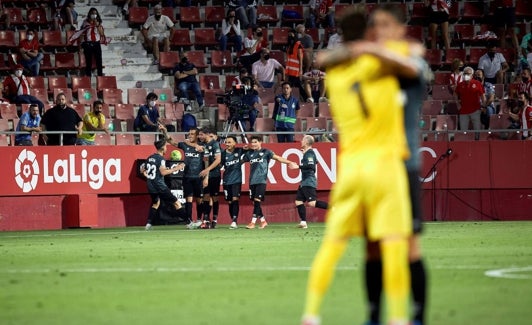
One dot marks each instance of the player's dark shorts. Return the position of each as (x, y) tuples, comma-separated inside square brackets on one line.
[(438, 17), (213, 188), (257, 191), (415, 197), (164, 195), (504, 17), (193, 187), (306, 194), (232, 190)]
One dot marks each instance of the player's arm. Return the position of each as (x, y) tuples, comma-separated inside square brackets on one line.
[(291, 164), (167, 171), (216, 162)]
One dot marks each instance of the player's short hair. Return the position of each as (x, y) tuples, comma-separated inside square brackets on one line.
[(159, 144), (231, 137), (257, 137), (286, 83), (353, 23), (309, 139)]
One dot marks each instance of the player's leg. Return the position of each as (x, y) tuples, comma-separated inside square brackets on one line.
[(214, 190), (300, 206), (373, 281), (234, 195), (152, 214)]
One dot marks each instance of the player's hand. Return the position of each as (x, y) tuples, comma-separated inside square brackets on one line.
[(204, 173), (293, 165)]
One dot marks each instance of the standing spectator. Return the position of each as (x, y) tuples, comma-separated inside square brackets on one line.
[(185, 79), (232, 177), (68, 15), (494, 65), (285, 113), (505, 22), (92, 39), (321, 13), (307, 188), (17, 89), (294, 60), (231, 31), (526, 117), (314, 84), (259, 160), (29, 122), (92, 121), (128, 4), (438, 15), (264, 70), (253, 46), (155, 170), (212, 171), (456, 73), (5, 20), (155, 31), (526, 48), (488, 108), (246, 11), (61, 118), (251, 102), (470, 92), (308, 46), (147, 119), (29, 52), (335, 39)]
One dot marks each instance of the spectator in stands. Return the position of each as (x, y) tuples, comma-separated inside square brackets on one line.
[(505, 22), (5, 20), (263, 71), (438, 15), (494, 65), (308, 46), (185, 79), (246, 11), (91, 41), (335, 39), (456, 73), (488, 108), (128, 4), (92, 121), (321, 13), (231, 31), (29, 52), (252, 48), (17, 89), (241, 75), (526, 49), (147, 119), (294, 61), (155, 31), (251, 102), (285, 113), (68, 16), (61, 118), (314, 84), (29, 122), (470, 92), (526, 116), (525, 85)]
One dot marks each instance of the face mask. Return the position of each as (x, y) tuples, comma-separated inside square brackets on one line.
[(94, 17), (266, 57), (157, 17), (491, 55), (30, 37), (299, 35), (259, 34), (478, 78), (184, 60), (521, 103), (152, 103), (467, 77), (18, 73)]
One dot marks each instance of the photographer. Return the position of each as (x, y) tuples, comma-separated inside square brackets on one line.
[(243, 103)]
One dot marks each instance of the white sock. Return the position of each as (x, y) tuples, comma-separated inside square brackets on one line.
[(254, 219)]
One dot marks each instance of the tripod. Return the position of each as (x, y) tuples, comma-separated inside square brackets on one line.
[(228, 126), (432, 172)]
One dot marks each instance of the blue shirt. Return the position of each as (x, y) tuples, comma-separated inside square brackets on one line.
[(27, 120), (153, 115), (284, 111), (184, 67)]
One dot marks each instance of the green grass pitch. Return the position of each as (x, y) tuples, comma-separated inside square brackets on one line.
[(175, 276)]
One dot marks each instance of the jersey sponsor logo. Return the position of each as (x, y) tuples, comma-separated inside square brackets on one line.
[(231, 162), (192, 154), (71, 169), (256, 160)]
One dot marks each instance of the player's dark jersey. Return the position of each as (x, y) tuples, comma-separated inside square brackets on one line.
[(258, 165), (193, 160), (308, 169), (211, 150), (155, 178), (232, 163)]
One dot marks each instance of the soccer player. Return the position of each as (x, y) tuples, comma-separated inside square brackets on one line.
[(232, 177), (155, 170), (307, 189), (370, 197), (213, 158), (258, 159)]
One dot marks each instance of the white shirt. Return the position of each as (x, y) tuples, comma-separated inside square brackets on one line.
[(157, 28), (226, 28), (265, 71), (334, 41), (489, 66)]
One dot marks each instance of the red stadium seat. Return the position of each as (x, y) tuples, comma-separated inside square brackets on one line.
[(137, 16), (446, 123), (205, 81), (221, 60), (86, 96), (198, 59), (79, 108), (267, 15), (434, 58), (190, 16), (8, 111), (36, 82), (136, 96), (15, 15), (204, 37), (127, 139), (112, 96), (52, 40), (65, 61), (306, 110), (166, 95), (431, 107), (103, 82), (169, 12), (80, 82), (280, 36), (264, 124), (7, 40), (124, 111), (56, 82), (66, 91), (102, 139), (168, 60), (180, 40), (214, 16)]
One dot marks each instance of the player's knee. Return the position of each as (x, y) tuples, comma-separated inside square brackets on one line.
[(156, 205), (414, 248), (373, 251), (312, 203)]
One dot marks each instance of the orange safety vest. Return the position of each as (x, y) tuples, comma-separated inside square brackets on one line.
[(292, 62)]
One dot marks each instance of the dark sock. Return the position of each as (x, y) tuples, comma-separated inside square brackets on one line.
[(188, 210), (374, 289), (215, 209), (206, 210), (418, 278), (199, 210), (322, 205), (231, 209), (256, 209), (236, 210), (152, 215), (302, 211)]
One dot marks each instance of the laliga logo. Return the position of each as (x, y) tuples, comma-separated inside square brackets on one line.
[(26, 171), (94, 171)]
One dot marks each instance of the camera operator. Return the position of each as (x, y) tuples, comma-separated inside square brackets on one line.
[(250, 103)]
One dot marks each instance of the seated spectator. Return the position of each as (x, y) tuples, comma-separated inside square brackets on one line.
[(314, 84), (335, 39), (231, 31), (5, 20), (147, 119), (252, 47), (515, 113), (241, 75), (251, 102), (456, 73), (438, 15), (246, 11), (68, 16), (494, 65), (29, 122), (488, 107), (61, 118), (185, 79), (308, 46), (470, 92), (29, 52), (17, 89), (263, 71), (155, 31), (525, 84), (321, 13), (526, 109), (92, 121)]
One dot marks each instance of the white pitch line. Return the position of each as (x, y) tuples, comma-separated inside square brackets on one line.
[(510, 273)]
